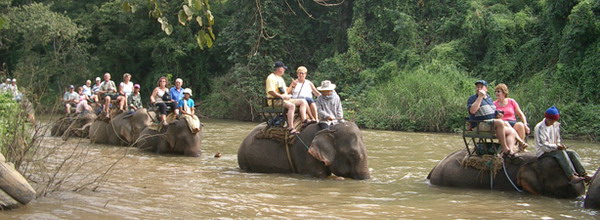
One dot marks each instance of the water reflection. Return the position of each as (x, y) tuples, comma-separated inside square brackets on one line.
[(157, 186)]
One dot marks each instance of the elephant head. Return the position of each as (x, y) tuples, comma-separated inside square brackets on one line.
[(544, 176), (175, 138), (342, 151), (592, 198)]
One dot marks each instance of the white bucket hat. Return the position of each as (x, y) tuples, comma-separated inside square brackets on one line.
[(326, 86), (188, 91)]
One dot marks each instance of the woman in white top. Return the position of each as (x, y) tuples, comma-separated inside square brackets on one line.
[(157, 99), (302, 88), (126, 87)]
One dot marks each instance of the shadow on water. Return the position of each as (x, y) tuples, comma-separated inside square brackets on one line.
[(157, 186)]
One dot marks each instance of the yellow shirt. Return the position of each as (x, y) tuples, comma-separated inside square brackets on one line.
[(274, 82)]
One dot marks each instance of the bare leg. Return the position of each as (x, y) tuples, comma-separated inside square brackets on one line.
[(68, 108), (313, 110), (106, 104), (290, 113), (499, 125), (303, 106), (121, 103), (520, 128)]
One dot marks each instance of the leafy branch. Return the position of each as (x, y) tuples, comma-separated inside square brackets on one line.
[(192, 11)]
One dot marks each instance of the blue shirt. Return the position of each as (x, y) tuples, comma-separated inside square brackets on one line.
[(190, 103), (487, 109), (176, 95)]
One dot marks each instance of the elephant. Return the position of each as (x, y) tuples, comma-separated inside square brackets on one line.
[(592, 198), (75, 124), (122, 129), (339, 150), (175, 138), (537, 176)]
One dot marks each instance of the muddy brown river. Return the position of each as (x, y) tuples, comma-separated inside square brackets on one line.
[(149, 186)]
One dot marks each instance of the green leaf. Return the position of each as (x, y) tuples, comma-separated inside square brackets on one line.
[(182, 17), (169, 29), (199, 20), (206, 4), (210, 18), (211, 33), (188, 11), (197, 5), (208, 40), (199, 40), (126, 7), (2, 21)]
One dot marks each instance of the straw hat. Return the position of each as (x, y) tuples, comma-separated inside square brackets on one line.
[(326, 86)]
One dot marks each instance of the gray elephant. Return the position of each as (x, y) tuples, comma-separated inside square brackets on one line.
[(339, 150), (75, 124), (592, 198), (537, 176), (175, 138), (122, 129)]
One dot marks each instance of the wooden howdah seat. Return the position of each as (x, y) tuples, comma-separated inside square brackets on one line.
[(275, 114), (473, 137)]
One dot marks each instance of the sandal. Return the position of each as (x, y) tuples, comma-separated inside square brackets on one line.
[(293, 131), (508, 155)]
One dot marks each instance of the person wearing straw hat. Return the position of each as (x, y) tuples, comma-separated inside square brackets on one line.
[(548, 144), (329, 105), (187, 109)]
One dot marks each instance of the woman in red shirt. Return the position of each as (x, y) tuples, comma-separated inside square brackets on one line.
[(510, 109)]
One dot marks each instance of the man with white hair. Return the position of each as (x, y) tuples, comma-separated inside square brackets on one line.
[(4, 85), (176, 93), (108, 90)]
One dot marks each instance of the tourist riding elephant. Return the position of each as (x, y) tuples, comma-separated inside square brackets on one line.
[(543, 176), (592, 198), (339, 150), (175, 138), (122, 129)]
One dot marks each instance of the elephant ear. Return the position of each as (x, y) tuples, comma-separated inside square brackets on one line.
[(527, 178), (321, 148)]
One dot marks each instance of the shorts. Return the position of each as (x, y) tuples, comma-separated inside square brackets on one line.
[(112, 97), (309, 100), (512, 123), (486, 125)]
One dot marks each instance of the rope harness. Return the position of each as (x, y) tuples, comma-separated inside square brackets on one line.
[(282, 136)]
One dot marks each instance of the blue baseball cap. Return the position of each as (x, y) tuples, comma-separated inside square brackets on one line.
[(481, 81), (280, 64)]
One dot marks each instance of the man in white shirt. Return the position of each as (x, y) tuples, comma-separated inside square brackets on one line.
[(548, 144)]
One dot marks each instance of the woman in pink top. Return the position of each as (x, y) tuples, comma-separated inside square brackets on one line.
[(509, 108)]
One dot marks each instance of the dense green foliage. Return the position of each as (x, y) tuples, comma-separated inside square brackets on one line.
[(402, 65)]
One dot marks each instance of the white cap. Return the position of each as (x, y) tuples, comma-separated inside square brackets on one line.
[(98, 79), (188, 91)]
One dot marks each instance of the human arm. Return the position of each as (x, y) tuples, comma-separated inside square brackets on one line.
[(154, 92), (543, 140), (314, 90), (121, 86), (477, 103), (522, 116), (339, 110), (290, 89)]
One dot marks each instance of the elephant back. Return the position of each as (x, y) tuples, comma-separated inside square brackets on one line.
[(544, 176), (592, 198)]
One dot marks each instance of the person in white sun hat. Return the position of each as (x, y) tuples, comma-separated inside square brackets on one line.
[(187, 109), (329, 105)]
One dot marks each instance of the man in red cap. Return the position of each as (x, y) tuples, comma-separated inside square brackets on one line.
[(548, 144)]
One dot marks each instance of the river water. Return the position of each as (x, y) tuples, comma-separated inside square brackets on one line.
[(149, 186)]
